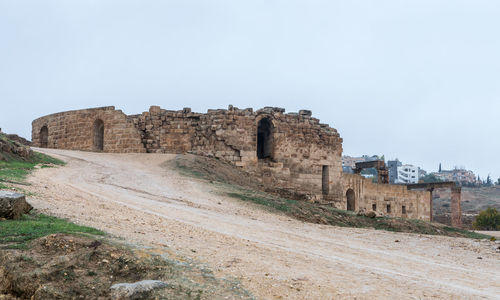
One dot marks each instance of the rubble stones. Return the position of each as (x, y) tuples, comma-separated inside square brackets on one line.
[(137, 290)]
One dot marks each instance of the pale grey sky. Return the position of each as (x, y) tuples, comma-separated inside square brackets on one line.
[(418, 80)]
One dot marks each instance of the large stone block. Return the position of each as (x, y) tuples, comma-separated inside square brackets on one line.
[(13, 205)]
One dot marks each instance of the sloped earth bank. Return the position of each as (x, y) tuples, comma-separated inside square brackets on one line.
[(274, 256)]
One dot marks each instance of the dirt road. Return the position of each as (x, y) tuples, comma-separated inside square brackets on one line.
[(136, 197)]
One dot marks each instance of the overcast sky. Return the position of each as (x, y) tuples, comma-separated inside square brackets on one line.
[(417, 80)]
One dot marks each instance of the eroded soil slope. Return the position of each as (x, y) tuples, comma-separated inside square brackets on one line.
[(136, 197), (61, 266)]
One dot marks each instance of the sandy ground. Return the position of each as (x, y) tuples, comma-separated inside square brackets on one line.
[(133, 196)]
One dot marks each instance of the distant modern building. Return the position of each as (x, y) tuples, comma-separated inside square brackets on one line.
[(393, 165), (407, 174), (461, 176), (348, 170)]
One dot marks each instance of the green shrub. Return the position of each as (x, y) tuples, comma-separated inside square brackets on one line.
[(488, 219)]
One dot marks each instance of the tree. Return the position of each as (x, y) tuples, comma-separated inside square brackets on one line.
[(429, 178), (498, 181), (488, 219), (488, 181), (440, 168)]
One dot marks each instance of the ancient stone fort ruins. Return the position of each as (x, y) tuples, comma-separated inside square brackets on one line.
[(292, 154)]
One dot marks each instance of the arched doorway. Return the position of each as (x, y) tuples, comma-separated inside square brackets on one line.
[(351, 200), (98, 135), (44, 137), (265, 139)]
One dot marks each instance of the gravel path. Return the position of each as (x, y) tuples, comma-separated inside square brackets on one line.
[(135, 197)]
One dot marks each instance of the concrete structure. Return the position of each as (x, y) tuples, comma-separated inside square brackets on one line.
[(293, 154), (393, 165), (407, 174)]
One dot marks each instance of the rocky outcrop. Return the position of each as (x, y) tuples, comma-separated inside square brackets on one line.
[(11, 148), (19, 139), (13, 205)]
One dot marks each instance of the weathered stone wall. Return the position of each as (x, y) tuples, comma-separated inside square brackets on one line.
[(292, 154), (74, 130), (416, 204), (301, 146)]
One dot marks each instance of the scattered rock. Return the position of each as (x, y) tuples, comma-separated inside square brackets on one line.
[(48, 292), (370, 214), (13, 205), (137, 290), (396, 241)]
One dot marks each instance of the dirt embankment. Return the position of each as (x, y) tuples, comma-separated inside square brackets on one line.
[(13, 149), (234, 182)]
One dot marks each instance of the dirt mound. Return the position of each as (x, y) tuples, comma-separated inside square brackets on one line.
[(214, 170), (63, 266)]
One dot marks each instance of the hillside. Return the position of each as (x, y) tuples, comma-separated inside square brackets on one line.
[(474, 200)]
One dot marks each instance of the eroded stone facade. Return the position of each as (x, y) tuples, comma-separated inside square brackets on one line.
[(74, 130), (293, 154)]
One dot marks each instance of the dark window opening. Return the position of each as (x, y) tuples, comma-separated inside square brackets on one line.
[(388, 208), (325, 180), (265, 139), (374, 207), (98, 135), (403, 209), (44, 137), (351, 200)]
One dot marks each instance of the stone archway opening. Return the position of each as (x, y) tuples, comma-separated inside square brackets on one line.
[(351, 199), (265, 139), (44, 137), (98, 133)]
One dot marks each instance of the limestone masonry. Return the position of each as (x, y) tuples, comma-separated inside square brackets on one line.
[(292, 154)]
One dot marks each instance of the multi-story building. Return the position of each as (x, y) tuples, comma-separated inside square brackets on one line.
[(407, 174), (393, 165)]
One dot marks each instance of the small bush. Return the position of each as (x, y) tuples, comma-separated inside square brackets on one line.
[(488, 219)]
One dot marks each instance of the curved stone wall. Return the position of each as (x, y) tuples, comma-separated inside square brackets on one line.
[(74, 130), (292, 154)]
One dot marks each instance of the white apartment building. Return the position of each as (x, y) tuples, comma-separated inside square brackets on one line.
[(407, 174)]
